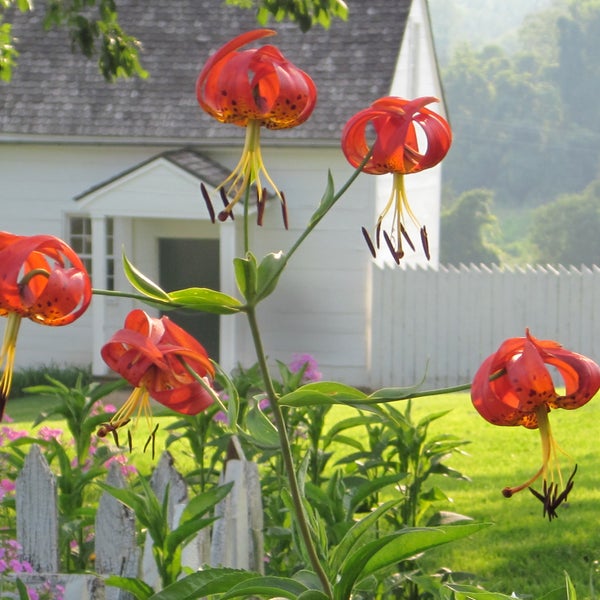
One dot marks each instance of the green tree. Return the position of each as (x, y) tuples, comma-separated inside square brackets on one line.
[(94, 29), (566, 230), (466, 228)]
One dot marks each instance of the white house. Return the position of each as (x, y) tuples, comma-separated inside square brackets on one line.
[(111, 166)]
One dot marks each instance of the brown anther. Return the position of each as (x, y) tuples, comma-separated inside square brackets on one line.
[(207, 200), (378, 234), (550, 497), (369, 242), (406, 237), (228, 212), (261, 201), (284, 209), (397, 254), (105, 428), (151, 438), (425, 242)]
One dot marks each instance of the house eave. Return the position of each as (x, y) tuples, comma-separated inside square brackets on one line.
[(24, 138)]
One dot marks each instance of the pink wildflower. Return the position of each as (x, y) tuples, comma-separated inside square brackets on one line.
[(48, 434), (311, 371)]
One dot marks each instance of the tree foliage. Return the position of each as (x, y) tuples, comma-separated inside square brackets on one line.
[(525, 121), (465, 230), (566, 231), (95, 31)]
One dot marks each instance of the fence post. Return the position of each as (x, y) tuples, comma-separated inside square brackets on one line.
[(237, 538), (116, 544), (37, 513), (37, 531)]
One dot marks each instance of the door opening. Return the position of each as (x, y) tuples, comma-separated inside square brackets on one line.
[(186, 263)]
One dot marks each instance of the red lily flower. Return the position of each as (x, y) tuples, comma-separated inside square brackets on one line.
[(152, 354), (397, 149), (253, 88), (514, 387), (42, 279)]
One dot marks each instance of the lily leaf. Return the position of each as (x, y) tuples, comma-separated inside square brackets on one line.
[(393, 394), (355, 533), (323, 393), (136, 587), (246, 275), (280, 587), (391, 549), (260, 430), (326, 201), (143, 284), (269, 270), (206, 300), (205, 583)]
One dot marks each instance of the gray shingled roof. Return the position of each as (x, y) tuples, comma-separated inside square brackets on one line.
[(56, 93)]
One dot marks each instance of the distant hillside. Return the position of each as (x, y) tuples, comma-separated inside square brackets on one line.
[(478, 22)]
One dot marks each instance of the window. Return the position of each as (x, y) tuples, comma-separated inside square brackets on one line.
[(80, 239)]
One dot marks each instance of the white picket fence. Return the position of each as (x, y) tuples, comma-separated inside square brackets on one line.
[(444, 322), (234, 541)]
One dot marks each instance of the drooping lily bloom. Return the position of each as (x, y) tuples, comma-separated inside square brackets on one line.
[(408, 138), (152, 354), (514, 387), (253, 88), (42, 279)]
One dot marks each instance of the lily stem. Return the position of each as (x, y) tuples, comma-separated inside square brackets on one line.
[(286, 453)]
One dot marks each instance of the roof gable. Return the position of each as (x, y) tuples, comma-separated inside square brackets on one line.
[(166, 186), (56, 93)]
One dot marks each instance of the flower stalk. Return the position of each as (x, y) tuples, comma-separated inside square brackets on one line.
[(286, 453)]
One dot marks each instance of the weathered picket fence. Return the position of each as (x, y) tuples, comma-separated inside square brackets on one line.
[(235, 539)]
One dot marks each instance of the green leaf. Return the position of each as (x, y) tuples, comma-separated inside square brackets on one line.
[(356, 532), (393, 394), (391, 549), (246, 275), (260, 430), (269, 586), (323, 393), (571, 593), (205, 583), (471, 592), (269, 270), (206, 300), (182, 534), (22, 589), (369, 488), (202, 503), (138, 588), (142, 284), (313, 595), (326, 201)]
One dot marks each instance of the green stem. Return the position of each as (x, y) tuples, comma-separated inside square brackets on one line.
[(286, 453)]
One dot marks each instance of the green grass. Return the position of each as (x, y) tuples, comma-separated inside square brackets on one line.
[(520, 552)]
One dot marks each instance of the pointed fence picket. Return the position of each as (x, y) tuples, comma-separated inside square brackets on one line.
[(234, 541)]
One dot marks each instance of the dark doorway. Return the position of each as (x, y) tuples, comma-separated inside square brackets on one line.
[(192, 263)]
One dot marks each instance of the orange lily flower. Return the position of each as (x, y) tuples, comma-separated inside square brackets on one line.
[(42, 279), (152, 354), (253, 88), (514, 387), (397, 149)]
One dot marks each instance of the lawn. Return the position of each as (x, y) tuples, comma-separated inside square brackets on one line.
[(521, 552)]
